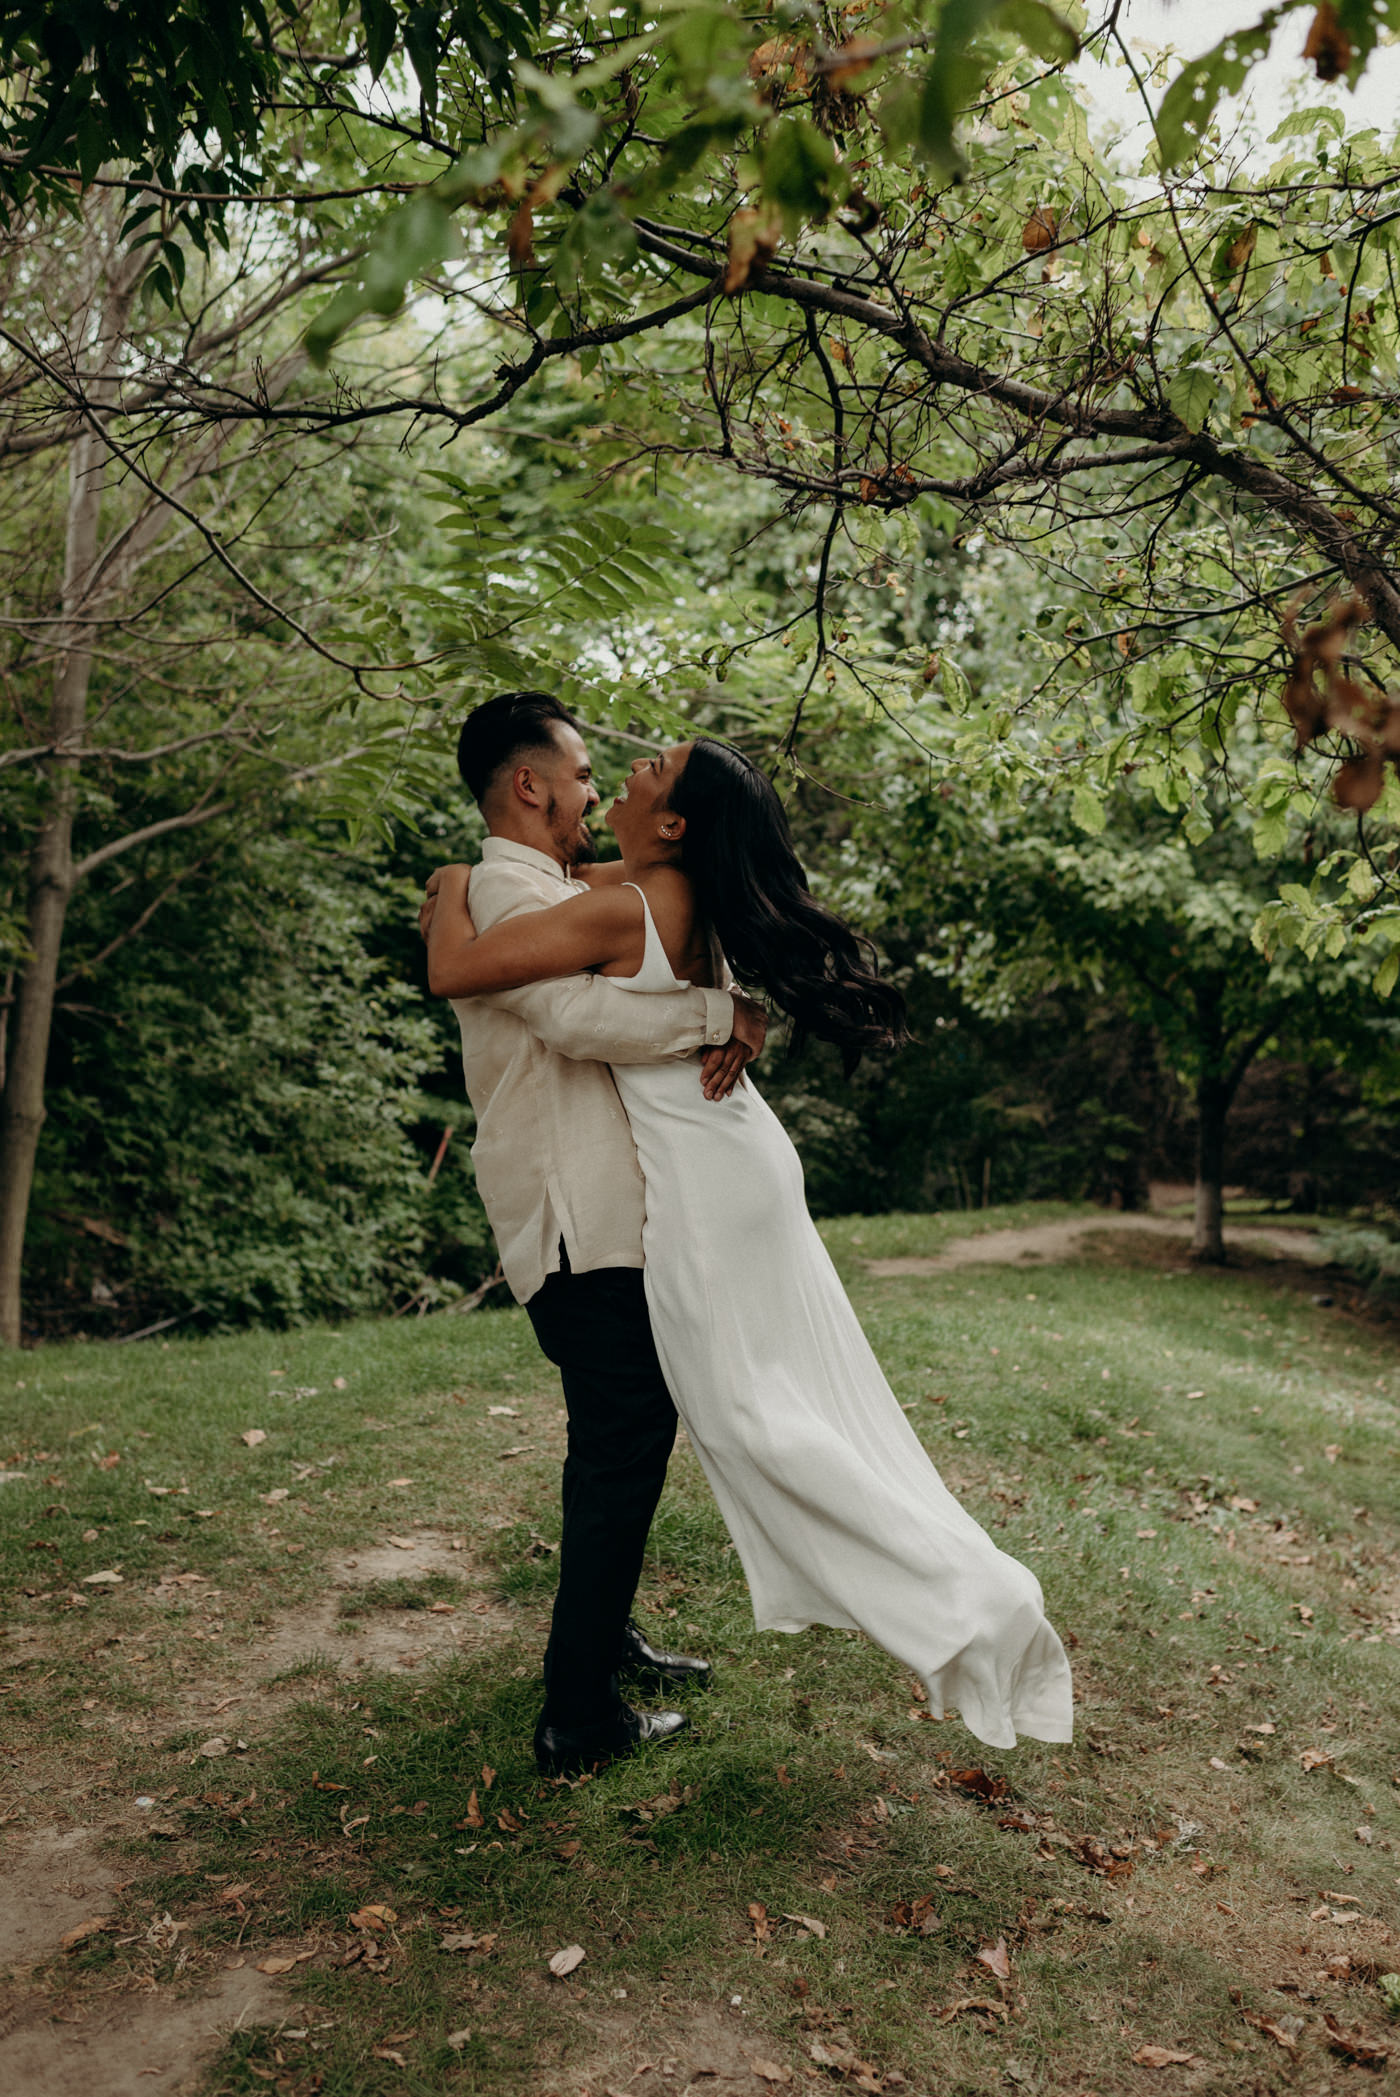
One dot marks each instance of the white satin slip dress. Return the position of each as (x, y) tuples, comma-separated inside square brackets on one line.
[(834, 1506)]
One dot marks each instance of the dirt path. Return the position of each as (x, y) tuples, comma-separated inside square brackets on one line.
[(54, 1880), (1063, 1241)]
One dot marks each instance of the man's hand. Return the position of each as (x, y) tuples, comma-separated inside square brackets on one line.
[(722, 1068)]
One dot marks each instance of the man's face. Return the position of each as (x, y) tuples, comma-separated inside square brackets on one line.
[(567, 777)]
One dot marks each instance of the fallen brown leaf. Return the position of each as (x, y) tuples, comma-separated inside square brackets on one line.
[(253, 1435), (996, 1959), (374, 1916), (565, 1961), (917, 1915), (1354, 2045), (978, 1783), (808, 1922), (387, 2053), (1281, 2034), (83, 1931), (972, 2006), (475, 1818), (1162, 2057), (771, 2071)]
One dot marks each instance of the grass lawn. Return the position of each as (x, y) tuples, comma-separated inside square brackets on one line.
[(297, 1711)]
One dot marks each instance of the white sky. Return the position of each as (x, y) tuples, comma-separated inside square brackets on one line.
[(1278, 84)]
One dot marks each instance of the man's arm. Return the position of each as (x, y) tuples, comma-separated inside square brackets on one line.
[(590, 1019)]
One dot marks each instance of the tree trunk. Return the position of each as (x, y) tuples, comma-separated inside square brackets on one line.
[(50, 884), (1212, 1105)]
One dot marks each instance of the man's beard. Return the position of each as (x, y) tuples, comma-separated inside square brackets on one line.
[(577, 845)]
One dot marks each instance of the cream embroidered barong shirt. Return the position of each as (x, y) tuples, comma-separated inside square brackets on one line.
[(554, 1154)]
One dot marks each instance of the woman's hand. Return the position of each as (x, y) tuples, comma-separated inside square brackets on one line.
[(443, 884)]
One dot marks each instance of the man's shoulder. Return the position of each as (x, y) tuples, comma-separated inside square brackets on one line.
[(499, 886)]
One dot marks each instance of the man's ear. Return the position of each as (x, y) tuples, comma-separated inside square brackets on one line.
[(527, 786)]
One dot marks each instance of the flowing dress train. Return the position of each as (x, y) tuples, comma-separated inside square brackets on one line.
[(834, 1506)]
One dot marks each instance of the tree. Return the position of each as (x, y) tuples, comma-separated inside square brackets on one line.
[(149, 677), (1150, 913), (885, 279)]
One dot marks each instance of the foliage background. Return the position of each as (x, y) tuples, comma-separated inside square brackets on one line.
[(665, 362)]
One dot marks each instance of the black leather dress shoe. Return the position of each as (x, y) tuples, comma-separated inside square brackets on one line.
[(639, 1660), (565, 1751)]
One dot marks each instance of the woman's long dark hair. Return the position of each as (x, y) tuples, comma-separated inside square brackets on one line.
[(749, 883)]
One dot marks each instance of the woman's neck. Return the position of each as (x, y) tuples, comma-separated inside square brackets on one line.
[(638, 866)]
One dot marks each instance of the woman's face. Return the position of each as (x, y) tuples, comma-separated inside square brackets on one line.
[(638, 814)]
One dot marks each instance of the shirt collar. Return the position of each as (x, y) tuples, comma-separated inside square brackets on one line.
[(507, 848)]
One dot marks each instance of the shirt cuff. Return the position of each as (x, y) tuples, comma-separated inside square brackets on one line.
[(719, 1017)]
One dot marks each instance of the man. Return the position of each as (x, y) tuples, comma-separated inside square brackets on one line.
[(557, 1171)]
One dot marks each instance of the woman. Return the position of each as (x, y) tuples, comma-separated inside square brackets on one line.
[(836, 1511)]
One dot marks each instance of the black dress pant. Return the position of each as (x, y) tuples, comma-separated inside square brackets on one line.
[(622, 1426)]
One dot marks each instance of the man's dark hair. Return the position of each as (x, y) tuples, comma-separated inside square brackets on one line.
[(499, 732)]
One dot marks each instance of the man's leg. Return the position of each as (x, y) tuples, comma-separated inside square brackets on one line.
[(622, 1425)]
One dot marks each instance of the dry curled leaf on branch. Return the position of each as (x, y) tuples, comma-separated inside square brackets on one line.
[(1319, 695), (753, 242), (849, 62), (779, 64), (1328, 45), (1041, 230)]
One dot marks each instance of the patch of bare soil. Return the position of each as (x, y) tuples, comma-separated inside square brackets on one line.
[(150, 2045), (1065, 1241), (146, 2041), (322, 1637), (51, 1880), (696, 2047)]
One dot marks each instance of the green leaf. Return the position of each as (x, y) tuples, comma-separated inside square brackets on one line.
[(1040, 29), (381, 26), (1087, 809), (409, 241), (797, 171), (1387, 973), (951, 81), (1190, 101), (1191, 395)]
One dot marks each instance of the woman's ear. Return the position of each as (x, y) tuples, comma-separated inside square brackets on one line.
[(672, 827)]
